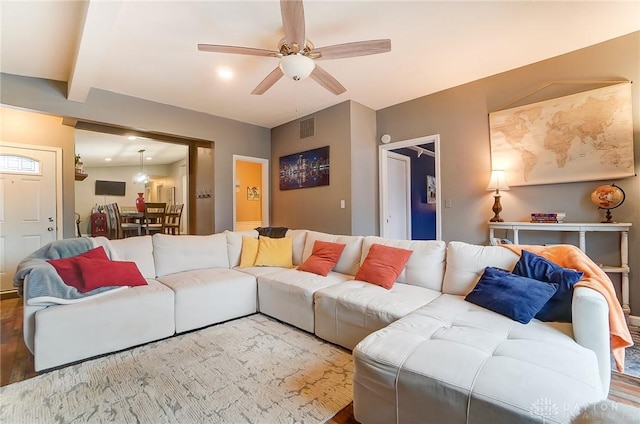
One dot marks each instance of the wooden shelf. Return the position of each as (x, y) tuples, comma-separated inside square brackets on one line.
[(80, 177)]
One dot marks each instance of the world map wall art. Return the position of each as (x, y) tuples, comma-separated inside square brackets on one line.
[(305, 169), (581, 137)]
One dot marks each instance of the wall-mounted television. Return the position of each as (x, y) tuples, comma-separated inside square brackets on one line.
[(110, 188)]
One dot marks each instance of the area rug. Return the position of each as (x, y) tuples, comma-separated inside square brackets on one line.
[(251, 370), (632, 355)]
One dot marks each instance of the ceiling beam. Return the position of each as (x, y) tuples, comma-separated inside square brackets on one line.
[(99, 19)]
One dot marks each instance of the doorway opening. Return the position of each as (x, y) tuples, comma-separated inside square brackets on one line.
[(251, 199), (424, 206)]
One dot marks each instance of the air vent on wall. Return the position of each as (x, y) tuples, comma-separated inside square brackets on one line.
[(307, 128)]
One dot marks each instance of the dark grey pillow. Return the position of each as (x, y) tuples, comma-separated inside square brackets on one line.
[(272, 232)]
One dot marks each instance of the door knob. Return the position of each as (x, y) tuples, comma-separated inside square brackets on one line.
[(50, 229)]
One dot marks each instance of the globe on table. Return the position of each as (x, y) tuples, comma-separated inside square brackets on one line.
[(608, 197)]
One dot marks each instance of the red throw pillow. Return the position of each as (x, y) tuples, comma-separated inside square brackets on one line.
[(383, 265), (99, 273), (69, 272), (324, 257)]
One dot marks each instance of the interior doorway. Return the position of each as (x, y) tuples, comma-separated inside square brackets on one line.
[(398, 197), (251, 193), (425, 191)]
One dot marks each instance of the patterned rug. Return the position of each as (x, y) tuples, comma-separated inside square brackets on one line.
[(632, 355), (250, 370)]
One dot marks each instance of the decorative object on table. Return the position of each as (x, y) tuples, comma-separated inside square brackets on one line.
[(253, 193), (497, 182), (548, 217), (581, 137), (305, 169), (431, 189), (141, 177), (79, 165), (140, 202), (608, 197)]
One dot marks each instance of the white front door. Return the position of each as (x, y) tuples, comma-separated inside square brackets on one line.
[(28, 217), (398, 219)]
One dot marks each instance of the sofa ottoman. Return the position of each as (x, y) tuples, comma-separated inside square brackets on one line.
[(452, 361)]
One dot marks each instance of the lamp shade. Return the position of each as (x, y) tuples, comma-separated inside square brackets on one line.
[(497, 181), (297, 66)]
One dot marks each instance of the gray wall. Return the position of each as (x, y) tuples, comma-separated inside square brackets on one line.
[(349, 128), (460, 116), (316, 208), (229, 136), (364, 171)]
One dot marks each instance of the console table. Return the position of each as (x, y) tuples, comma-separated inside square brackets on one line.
[(582, 229)]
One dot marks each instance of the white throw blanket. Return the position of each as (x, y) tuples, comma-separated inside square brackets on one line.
[(43, 284)]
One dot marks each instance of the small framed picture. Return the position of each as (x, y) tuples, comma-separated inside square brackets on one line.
[(431, 189), (253, 193)]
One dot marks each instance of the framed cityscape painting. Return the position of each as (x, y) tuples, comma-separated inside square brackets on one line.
[(305, 169)]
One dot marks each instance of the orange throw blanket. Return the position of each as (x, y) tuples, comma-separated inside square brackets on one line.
[(568, 256)]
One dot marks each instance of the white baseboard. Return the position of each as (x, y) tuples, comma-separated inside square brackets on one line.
[(634, 320)]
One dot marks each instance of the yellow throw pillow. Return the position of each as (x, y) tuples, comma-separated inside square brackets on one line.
[(275, 252), (249, 252)]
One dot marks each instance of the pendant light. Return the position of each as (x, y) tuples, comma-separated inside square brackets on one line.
[(141, 177)]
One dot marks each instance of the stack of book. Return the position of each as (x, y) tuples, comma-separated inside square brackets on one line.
[(548, 217)]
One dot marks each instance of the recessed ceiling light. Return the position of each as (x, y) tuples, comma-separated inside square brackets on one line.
[(225, 73), (132, 137), (107, 159), (149, 158)]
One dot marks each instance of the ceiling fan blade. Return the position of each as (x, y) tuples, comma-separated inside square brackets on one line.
[(268, 82), (358, 48), (236, 50), (325, 79), (293, 23)]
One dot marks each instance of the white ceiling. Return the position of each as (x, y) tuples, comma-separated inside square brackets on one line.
[(147, 49), (94, 148)]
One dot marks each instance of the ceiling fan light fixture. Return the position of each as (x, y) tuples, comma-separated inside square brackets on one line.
[(296, 66)]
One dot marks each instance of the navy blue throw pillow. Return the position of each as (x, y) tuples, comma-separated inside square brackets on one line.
[(559, 306), (519, 298)]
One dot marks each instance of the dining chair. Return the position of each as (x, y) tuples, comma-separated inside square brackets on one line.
[(154, 217), (112, 221), (126, 226), (173, 219)]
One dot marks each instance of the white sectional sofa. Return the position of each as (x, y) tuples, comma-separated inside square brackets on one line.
[(422, 353)]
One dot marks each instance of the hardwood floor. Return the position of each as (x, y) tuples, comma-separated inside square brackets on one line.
[(16, 363)]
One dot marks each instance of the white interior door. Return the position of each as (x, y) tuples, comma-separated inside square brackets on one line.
[(398, 213), (28, 218), (385, 150)]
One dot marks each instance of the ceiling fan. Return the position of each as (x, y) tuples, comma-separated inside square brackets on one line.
[(298, 55)]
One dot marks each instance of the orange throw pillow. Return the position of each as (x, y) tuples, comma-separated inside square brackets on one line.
[(383, 265), (324, 257)]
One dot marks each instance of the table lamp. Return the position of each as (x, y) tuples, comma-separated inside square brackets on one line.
[(497, 182)]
